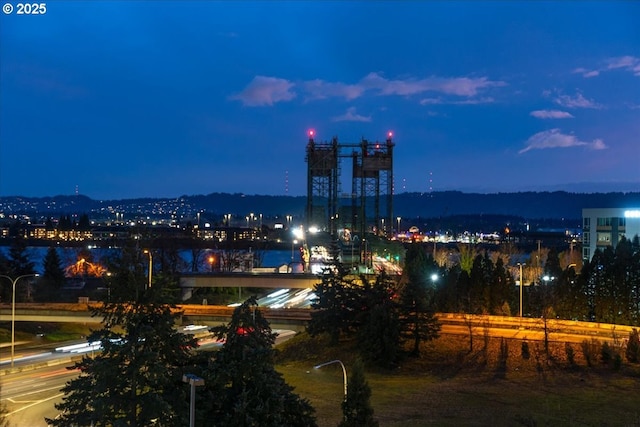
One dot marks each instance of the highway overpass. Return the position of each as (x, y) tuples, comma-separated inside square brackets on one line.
[(188, 282)]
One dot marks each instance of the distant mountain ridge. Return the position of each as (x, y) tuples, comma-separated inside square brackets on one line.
[(557, 204)]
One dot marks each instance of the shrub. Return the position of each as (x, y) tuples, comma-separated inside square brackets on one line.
[(606, 353), (633, 347), (571, 357), (617, 361), (504, 356), (590, 349), (524, 350)]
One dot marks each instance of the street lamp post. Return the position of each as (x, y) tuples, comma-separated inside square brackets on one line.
[(148, 252), (13, 310), (398, 230), (521, 284), (293, 242), (194, 381), (344, 373)]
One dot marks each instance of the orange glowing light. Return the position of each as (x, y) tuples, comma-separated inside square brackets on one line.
[(84, 268)]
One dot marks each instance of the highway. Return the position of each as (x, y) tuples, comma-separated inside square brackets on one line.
[(30, 396), (30, 390)]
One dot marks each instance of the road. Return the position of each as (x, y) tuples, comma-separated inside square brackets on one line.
[(30, 396)]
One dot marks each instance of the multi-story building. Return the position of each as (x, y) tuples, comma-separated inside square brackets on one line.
[(605, 227)]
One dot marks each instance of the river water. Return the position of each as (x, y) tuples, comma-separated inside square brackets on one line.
[(70, 256)]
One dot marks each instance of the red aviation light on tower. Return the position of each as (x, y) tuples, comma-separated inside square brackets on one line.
[(389, 139), (311, 133)]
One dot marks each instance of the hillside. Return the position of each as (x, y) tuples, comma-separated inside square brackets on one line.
[(558, 204)]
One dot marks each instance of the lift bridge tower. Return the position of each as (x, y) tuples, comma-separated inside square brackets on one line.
[(368, 208)]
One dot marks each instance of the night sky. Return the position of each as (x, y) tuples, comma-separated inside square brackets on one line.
[(161, 99)]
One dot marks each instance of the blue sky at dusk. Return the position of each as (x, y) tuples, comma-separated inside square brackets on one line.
[(160, 98)]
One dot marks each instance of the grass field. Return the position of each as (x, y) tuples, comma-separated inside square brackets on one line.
[(45, 332), (450, 386)]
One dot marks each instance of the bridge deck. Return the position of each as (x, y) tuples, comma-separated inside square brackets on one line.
[(250, 280)]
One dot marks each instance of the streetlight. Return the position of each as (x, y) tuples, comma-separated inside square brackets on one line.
[(298, 234), (211, 260), (521, 284), (13, 309), (398, 218), (148, 252), (194, 381), (293, 242), (344, 373)]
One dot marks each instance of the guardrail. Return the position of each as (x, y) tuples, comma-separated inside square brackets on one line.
[(303, 315)]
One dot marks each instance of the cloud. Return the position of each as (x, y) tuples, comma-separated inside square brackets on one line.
[(472, 101), (265, 91), (626, 63), (586, 73), (551, 114), (555, 139), (319, 89), (351, 116), (269, 90), (431, 101), (459, 86), (577, 101)]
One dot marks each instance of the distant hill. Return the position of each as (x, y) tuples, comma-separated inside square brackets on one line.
[(558, 204)]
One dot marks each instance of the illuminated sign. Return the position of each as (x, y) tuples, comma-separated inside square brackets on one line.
[(632, 214)]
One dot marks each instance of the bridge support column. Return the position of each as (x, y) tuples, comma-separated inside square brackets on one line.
[(187, 293)]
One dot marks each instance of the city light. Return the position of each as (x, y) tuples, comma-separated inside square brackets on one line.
[(632, 213)]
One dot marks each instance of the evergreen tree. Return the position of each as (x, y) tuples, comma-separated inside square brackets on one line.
[(136, 379), (5, 291), (334, 310), (479, 279), (503, 290), (242, 387), (417, 314), (19, 264), (84, 223), (53, 279), (633, 347), (379, 322), (356, 408)]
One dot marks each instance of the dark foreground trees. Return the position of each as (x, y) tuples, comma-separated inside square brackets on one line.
[(418, 320), (136, 379), (382, 315), (242, 387), (356, 408)]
